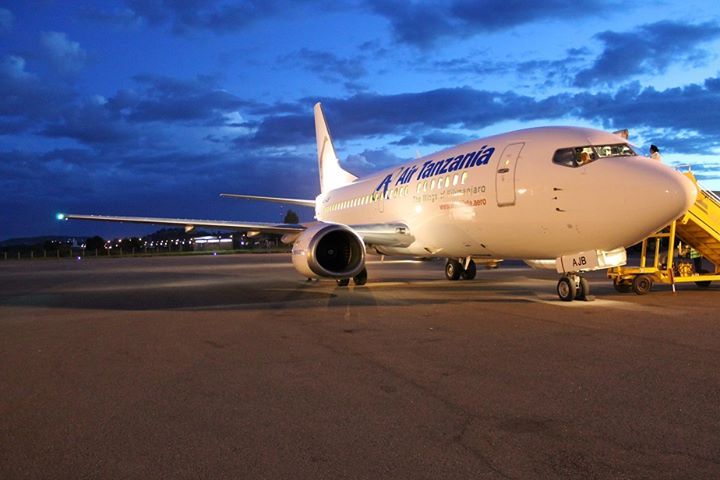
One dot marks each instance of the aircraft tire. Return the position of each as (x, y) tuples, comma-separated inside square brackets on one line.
[(361, 278), (470, 272), (583, 289), (642, 284), (453, 269), (343, 282), (566, 289)]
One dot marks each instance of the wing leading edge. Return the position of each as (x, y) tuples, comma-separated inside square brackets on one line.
[(189, 224)]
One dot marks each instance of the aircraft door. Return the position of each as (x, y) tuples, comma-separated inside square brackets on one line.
[(382, 193), (505, 175), (379, 200)]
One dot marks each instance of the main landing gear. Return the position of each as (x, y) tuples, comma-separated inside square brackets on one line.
[(573, 287), (359, 279), (455, 270)]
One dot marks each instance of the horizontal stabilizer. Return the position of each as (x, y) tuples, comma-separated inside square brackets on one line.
[(189, 224), (288, 201)]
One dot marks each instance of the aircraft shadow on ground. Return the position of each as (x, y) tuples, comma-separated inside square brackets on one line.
[(297, 295), (216, 292)]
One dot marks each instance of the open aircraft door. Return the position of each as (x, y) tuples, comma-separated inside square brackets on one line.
[(505, 176)]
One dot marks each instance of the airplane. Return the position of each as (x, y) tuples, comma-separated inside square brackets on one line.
[(564, 198)]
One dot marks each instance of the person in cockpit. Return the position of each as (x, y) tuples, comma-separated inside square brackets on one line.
[(584, 158)]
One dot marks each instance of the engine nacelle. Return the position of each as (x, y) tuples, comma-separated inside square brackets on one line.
[(328, 250)]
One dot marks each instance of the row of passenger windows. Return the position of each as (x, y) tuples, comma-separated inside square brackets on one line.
[(397, 192), (442, 182), (367, 199)]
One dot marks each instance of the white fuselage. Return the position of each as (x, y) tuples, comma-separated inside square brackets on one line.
[(505, 197)]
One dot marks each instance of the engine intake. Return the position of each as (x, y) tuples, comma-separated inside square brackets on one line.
[(329, 250)]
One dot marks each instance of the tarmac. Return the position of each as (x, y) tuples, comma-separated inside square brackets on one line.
[(234, 366)]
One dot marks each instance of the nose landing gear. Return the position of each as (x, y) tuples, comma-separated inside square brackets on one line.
[(574, 287), (454, 270)]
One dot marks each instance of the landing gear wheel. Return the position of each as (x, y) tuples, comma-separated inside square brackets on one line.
[(622, 286), (470, 272), (360, 278), (583, 290), (641, 284), (343, 282), (566, 289), (703, 283), (453, 269)]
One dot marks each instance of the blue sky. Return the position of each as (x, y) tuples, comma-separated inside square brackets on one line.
[(153, 107)]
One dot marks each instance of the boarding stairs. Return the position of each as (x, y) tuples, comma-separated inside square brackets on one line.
[(699, 228)]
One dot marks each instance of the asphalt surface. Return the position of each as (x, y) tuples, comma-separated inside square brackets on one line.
[(235, 367)]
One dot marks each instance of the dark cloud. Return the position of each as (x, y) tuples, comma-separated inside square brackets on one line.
[(185, 16), (538, 72), (90, 123), (29, 103), (327, 65), (33, 105), (371, 160), (373, 115), (648, 49), (423, 24), (424, 118), (24, 95), (129, 149), (439, 137), (170, 100), (688, 109), (281, 130), (407, 140)]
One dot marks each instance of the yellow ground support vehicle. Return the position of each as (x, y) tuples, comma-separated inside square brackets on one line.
[(699, 228)]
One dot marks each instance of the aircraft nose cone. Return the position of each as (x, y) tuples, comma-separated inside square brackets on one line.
[(647, 197), (679, 191), (662, 195)]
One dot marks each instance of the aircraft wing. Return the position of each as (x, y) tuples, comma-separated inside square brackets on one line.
[(289, 201), (380, 234), (189, 224)]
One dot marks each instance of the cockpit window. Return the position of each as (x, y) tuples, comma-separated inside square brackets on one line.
[(579, 156)]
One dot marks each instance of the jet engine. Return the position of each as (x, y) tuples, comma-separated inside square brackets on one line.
[(328, 250)]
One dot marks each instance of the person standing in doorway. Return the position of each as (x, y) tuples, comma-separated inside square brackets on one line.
[(655, 153)]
